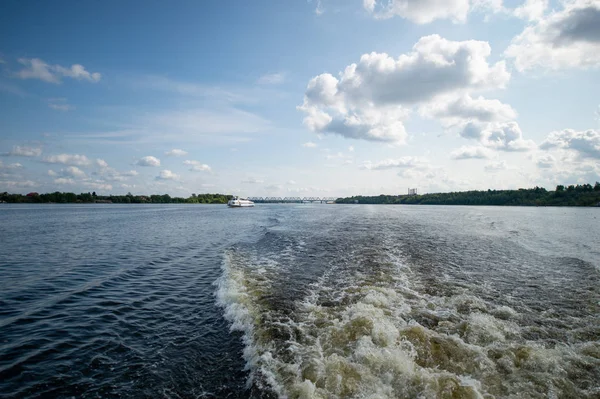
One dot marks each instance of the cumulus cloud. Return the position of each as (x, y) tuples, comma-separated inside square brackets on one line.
[(531, 10), (176, 152), (101, 163), (503, 136), (12, 184), (38, 69), (491, 122), (64, 180), (586, 143), (111, 174), (197, 166), (130, 173), (569, 38), (24, 151), (426, 11), (456, 110), (309, 144), (73, 171), (371, 98), (472, 152), (148, 161), (404, 162), (167, 175), (545, 161), (68, 159), (10, 166), (558, 165)]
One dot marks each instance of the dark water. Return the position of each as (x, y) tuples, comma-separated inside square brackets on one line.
[(299, 301)]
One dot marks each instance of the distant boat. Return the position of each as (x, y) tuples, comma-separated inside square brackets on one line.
[(237, 202)]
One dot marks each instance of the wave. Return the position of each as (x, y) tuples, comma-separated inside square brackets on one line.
[(366, 329)]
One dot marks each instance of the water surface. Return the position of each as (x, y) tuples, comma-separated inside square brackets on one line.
[(313, 301)]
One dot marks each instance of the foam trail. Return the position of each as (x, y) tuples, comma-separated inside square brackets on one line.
[(366, 329)]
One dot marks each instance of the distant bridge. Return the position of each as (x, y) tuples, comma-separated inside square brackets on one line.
[(291, 200)]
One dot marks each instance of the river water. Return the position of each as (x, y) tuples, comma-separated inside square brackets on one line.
[(299, 301)]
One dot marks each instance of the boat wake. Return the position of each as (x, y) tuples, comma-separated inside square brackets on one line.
[(367, 327)]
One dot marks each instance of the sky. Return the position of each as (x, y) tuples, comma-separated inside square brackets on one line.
[(298, 98)]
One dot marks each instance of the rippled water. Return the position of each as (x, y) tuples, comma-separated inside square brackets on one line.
[(299, 301)]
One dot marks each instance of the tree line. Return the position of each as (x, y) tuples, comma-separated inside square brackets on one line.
[(88, 198), (573, 195)]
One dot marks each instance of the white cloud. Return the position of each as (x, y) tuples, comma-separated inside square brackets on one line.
[(586, 143), (569, 38), (110, 174), (545, 161), (13, 166), (64, 180), (197, 166), (532, 9), (68, 159), (404, 162), (38, 69), (472, 152), (167, 175), (101, 163), (503, 136), (291, 182), (560, 165), (371, 99), (494, 166), (309, 144), (272, 79), (176, 152), (24, 151), (148, 161), (52, 173), (489, 121), (72, 171), (457, 110), (351, 148), (11, 184), (426, 11)]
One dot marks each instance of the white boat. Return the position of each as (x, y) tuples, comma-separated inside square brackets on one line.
[(237, 202)]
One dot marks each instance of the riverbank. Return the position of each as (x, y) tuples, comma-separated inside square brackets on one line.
[(580, 195), (93, 198)]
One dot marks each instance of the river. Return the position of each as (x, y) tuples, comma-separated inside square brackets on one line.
[(299, 301)]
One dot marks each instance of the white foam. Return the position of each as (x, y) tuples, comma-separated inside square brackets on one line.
[(358, 335)]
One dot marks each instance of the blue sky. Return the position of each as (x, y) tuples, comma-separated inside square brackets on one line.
[(292, 98)]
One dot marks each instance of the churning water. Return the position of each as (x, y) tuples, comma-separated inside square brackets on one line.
[(299, 301)]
